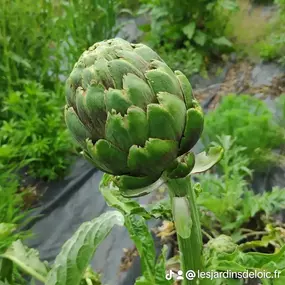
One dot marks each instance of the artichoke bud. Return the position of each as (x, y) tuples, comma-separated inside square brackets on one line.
[(132, 115), (182, 166), (220, 245), (186, 89)]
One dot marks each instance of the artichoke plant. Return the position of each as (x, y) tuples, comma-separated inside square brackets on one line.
[(137, 121), (132, 115)]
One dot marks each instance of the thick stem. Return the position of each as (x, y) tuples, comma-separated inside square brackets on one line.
[(190, 247)]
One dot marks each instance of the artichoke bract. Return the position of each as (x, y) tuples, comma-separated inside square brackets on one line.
[(131, 114)]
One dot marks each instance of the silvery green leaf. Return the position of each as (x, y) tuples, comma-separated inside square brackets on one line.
[(76, 254), (207, 159)]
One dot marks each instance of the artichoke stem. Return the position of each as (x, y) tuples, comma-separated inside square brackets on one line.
[(190, 247)]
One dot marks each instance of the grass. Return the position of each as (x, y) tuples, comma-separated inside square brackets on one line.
[(39, 44), (52, 36)]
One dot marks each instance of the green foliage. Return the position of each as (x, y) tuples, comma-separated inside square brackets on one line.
[(228, 196), (130, 5), (221, 253), (153, 272), (77, 252), (249, 121), (238, 261), (42, 41), (201, 23), (11, 216), (35, 131), (27, 259), (186, 32), (135, 221), (11, 210), (127, 206), (273, 46), (187, 59), (72, 263), (39, 43), (223, 195)]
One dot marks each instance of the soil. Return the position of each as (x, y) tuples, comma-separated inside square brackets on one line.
[(238, 80)]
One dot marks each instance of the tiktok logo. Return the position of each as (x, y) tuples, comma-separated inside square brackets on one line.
[(171, 274)]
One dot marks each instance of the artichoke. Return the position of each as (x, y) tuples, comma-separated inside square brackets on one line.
[(220, 245), (132, 115)]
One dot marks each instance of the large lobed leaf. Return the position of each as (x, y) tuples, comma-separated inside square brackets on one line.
[(77, 252)]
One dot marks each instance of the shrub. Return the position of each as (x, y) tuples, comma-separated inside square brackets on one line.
[(248, 120), (34, 131), (188, 60), (201, 23)]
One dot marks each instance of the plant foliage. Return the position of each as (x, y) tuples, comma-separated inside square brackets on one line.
[(230, 199), (273, 46), (202, 23), (250, 122), (34, 131)]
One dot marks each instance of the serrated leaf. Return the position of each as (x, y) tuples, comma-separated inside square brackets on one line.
[(240, 261), (143, 240), (189, 30), (76, 254), (161, 210), (160, 269), (27, 259), (153, 273), (206, 160)]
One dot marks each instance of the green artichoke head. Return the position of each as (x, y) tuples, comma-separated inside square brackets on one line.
[(131, 114)]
